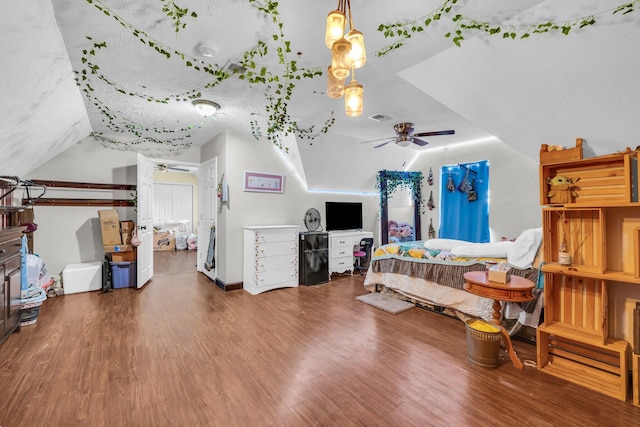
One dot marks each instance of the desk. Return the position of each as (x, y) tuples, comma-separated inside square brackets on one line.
[(518, 289)]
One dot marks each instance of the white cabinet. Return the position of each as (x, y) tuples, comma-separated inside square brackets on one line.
[(270, 258), (341, 246)]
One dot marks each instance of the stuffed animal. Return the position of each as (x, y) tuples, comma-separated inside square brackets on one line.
[(393, 231), (561, 190), (405, 232)]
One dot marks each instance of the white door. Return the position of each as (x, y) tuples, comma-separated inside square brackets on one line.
[(207, 218), (145, 220)]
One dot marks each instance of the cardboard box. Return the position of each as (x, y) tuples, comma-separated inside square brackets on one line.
[(126, 230), (164, 241), (124, 256), (110, 227), (500, 273)]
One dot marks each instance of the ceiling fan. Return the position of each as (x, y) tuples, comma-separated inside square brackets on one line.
[(164, 167), (405, 136)]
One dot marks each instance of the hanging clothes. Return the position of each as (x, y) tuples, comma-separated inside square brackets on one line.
[(211, 261)]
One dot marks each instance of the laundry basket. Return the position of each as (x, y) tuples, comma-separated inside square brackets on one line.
[(483, 343)]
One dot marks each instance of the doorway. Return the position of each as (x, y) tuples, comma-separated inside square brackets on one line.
[(174, 212)]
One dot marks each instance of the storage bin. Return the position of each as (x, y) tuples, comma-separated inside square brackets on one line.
[(82, 277), (483, 344), (124, 274)]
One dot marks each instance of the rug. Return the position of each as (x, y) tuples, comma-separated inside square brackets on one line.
[(385, 302)]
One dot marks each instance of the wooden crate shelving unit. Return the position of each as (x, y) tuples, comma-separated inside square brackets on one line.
[(601, 227), (636, 378)]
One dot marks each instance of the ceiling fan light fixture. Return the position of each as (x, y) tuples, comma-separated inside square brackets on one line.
[(358, 51), (403, 141), (335, 27), (335, 87), (205, 107), (353, 99)]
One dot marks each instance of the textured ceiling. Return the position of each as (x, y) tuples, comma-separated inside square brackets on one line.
[(546, 89)]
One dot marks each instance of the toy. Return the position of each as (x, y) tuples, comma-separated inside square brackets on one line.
[(561, 189), (393, 231), (405, 232)]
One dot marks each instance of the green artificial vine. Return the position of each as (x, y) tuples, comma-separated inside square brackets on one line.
[(278, 93), (465, 25), (393, 180), (175, 12)]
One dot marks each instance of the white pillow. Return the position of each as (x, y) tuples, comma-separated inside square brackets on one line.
[(525, 247), (486, 250), (445, 244)]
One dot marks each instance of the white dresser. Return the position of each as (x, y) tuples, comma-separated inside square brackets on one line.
[(341, 245), (270, 257)]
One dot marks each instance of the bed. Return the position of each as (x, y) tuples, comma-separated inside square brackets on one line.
[(430, 273)]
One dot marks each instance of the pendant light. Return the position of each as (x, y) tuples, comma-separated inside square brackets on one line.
[(335, 26), (353, 97), (347, 53), (358, 52), (341, 58), (335, 87)]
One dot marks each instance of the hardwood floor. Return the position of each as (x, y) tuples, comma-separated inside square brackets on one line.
[(181, 352)]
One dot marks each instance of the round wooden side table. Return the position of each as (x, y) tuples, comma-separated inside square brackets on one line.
[(518, 289)]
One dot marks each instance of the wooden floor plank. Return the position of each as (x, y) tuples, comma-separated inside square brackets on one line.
[(183, 352)]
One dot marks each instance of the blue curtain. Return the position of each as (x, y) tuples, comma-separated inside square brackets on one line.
[(461, 217)]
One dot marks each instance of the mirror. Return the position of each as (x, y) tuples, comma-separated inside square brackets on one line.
[(400, 204)]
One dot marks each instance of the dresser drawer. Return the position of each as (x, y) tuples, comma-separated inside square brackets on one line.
[(341, 252), (275, 263), (275, 235), (276, 249), (282, 278), (341, 264)]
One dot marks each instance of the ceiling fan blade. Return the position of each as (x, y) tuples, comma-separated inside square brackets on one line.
[(419, 142), (383, 144), (376, 140), (178, 169), (436, 133)]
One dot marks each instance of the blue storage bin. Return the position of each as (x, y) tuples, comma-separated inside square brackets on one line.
[(123, 274)]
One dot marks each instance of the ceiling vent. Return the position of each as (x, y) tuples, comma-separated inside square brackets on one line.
[(380, 117), (236, 68)]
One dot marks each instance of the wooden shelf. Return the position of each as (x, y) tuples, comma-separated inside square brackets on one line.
[(611, 276), (600, 224), (635, 367), (599, 367)]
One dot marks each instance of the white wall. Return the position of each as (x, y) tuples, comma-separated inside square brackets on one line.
[(70, 235), (237, 153)]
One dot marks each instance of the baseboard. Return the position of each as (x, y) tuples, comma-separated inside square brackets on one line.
[(228, 286)]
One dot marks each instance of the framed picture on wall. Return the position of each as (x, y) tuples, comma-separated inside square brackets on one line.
[(263, 182)]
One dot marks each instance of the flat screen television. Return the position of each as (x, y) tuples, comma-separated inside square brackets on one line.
[(343, 216)]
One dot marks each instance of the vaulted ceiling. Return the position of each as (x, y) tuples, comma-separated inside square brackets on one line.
[(547, 88)]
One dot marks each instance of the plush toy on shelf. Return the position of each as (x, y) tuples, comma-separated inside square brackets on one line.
[(561, 190)]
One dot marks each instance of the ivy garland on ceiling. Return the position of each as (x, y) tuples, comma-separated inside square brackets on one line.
[(465, 25), (395, 180), (278, 92)]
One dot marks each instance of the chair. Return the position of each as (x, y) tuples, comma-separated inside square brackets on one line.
[(362, 254)]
